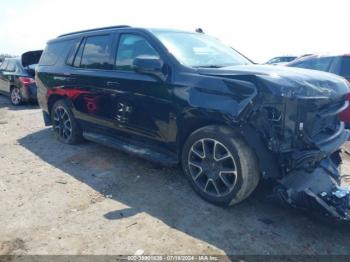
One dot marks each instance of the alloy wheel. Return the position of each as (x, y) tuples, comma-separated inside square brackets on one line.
[(62, 123), (212, 167), (16, 96)]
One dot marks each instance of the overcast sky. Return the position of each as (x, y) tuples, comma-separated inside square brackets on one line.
[(260, 29)]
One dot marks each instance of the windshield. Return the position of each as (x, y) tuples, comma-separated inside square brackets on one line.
[(200, 50)]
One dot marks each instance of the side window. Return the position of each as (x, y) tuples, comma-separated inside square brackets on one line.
[(345, 67), (77, 59), (11, 67), (323, 63), (72, 52), (53, 52), (130, 47), (97, 53), (4, 65), (309, 63)]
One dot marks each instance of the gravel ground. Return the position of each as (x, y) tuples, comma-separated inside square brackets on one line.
[(89, 199)]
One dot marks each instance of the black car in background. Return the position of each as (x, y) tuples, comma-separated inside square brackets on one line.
[(17, 78), (178, 97), (336, 64)]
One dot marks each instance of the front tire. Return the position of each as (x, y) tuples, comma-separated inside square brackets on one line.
[(220, 166), (64, 125), (16, 96)]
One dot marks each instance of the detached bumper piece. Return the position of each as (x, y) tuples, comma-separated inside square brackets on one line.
[(317, 191)]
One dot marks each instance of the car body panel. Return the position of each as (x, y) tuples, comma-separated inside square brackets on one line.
[(288, 116)]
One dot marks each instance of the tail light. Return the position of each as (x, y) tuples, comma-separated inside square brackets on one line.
[(345, 115), (26, 80)]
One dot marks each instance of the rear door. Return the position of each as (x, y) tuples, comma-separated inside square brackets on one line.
[(91, 82)]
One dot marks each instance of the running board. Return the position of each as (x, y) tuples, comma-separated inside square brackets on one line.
[(128, 146)]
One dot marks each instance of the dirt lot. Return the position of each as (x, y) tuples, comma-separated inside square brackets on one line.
[(89, 199)]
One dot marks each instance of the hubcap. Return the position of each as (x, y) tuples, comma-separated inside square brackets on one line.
[(15, 96), (212, 167), (62, 123)]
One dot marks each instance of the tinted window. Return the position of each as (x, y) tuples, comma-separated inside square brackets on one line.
[(345, 67), (73, 52), (288, 58), (11, 67), (130, 47), (97, 51), (53, 51), (4, 65), (321, 64), (274, 60), (77, 59), (304, 63)]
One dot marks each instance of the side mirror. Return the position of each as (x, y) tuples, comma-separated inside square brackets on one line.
[(149, 65)]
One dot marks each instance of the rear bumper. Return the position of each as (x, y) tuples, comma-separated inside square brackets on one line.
[(29, 93)]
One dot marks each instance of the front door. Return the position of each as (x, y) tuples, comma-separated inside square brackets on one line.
[(144, 104)]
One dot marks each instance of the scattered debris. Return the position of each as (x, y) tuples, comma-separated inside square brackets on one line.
[(139, 252), (131, 225), (61, 182)]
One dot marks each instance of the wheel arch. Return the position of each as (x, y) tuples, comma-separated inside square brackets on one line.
[(11, 86), (52, 100), (189, 124)]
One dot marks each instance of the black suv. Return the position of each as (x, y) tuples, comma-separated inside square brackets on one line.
[(17, 77), (182, 97)]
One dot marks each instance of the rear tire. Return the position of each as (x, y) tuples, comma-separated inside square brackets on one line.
[(64, 125), (220, 166), (15, 96)]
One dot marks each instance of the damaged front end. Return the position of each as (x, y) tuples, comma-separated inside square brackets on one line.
[(302, 129), (290, 117)]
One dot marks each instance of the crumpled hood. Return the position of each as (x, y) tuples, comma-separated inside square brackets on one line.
[(288, 81)]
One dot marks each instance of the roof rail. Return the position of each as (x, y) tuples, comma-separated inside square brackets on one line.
[(95, 29)]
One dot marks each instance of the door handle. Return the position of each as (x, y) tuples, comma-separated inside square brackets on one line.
[(113, 83)]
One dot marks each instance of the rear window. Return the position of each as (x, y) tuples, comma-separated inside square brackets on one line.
[(96, 53), (345, 67), (53, 51)]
